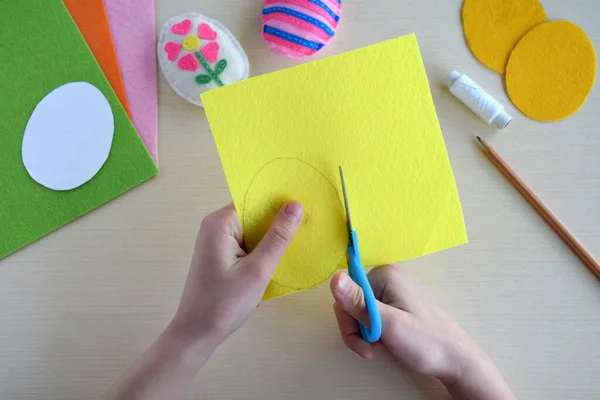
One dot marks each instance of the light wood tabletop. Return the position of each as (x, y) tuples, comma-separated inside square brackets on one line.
[(78, 306)]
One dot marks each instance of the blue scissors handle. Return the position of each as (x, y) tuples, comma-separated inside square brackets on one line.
[(358, 275)]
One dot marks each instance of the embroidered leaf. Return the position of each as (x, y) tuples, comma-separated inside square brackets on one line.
[(202, 79), (220, 67), (206, 66)]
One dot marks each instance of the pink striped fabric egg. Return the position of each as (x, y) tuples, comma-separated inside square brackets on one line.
[(300, 28)]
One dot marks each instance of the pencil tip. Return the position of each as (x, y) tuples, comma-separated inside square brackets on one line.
[(478, 138)]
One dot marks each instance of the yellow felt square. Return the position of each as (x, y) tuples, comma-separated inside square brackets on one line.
[(282, 136)]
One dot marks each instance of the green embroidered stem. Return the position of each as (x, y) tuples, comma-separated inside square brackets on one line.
[(208, 68)]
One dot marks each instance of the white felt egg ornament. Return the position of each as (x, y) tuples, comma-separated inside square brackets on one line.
[(68, 137), (197, 54)]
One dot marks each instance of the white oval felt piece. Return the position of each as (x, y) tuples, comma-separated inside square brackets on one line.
[(68, 136), (197, 54)]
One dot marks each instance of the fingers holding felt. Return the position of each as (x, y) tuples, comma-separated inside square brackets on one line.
[(233, 225), (279, 236), (223, 222)]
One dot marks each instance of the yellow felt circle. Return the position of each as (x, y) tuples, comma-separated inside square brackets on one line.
[(323, 232), (493, 27), (191, 42), (551, 71)]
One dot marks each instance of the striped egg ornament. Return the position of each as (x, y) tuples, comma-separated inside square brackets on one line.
[(300, 28)]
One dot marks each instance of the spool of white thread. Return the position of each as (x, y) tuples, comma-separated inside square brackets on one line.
[(477, 99)]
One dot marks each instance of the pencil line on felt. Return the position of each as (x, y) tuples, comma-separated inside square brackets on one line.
[(541, 208)]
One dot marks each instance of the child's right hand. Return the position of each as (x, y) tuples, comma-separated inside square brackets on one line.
[(417, 332)]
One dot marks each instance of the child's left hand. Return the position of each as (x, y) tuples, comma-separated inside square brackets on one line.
[(225, 284)]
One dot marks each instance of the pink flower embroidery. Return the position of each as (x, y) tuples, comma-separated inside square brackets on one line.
[(209, 53)]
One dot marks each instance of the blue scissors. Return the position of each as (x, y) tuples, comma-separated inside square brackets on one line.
[(358, 275)]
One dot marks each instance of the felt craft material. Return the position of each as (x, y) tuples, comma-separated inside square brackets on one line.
[(134, 36), (68, 136), (197, 53), (299, 29), (92, 21), (282, 136), (551, 71), (493, 27), (272, 186), (478, 100), (45, 62)]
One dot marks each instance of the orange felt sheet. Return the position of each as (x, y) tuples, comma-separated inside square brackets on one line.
[(92, 21)]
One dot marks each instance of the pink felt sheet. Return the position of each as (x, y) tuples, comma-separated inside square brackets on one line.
[(133, 31)]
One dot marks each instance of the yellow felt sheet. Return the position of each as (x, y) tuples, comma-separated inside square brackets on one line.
[(282, 136)]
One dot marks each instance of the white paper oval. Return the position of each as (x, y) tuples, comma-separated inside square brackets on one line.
[(68, 136)]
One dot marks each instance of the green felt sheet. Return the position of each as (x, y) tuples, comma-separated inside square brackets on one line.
[(40, 50)]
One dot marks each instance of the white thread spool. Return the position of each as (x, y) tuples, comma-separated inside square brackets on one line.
[(477, 99)]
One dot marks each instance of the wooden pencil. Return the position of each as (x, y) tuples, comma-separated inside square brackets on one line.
[(542, 209)]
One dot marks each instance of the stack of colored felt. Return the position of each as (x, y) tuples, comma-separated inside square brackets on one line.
[(121, 35), (49, 46)]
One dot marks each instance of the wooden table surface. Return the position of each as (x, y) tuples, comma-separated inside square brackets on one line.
[(78, 306)]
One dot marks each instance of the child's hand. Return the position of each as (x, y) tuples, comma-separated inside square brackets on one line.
[(417, 332), (223, 287), (225, 284)]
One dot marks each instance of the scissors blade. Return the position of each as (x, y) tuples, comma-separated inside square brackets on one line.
[(347, 206)]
